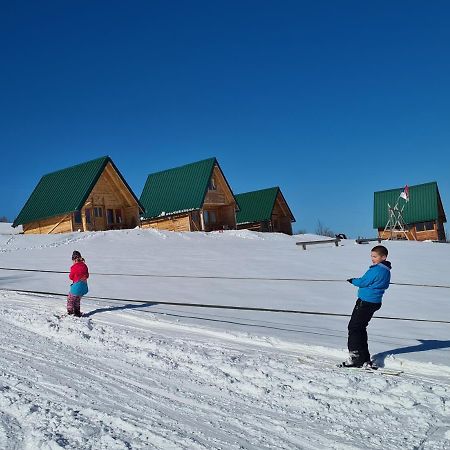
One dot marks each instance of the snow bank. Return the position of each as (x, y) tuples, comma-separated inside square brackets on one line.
[(6, 228), (146, 376)]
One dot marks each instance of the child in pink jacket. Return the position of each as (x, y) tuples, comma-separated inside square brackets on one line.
[(79, 273)]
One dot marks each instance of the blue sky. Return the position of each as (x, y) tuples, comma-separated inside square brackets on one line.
[(329, 100)]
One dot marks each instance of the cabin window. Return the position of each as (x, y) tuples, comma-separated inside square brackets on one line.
[(212, 184), (98, 212), (118, 216), (110, 216), (210, 217), (77, 217), (88, 215), (425, 226)]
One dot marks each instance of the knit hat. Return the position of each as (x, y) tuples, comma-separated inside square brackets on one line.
[(76, 255)]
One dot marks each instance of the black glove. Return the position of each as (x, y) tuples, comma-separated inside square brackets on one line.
[(350, 280)]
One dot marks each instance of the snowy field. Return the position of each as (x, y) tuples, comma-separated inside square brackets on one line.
[(6, 228), (146, 376)]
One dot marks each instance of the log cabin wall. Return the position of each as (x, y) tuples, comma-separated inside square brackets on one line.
[(220, 202), (58, 224), (194, 221), (277, 225), (109, 205), (174, 223), (425, 235), (220, 218), (386, 235), (254, 226), (228, 216), (132, 216), (441, 230), (284, 225), (440, 222), (281, 218), (220, 195)]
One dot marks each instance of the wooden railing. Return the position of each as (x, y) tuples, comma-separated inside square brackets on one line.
[(364, 240), (323, 241)]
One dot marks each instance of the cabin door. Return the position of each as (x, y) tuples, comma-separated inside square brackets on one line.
[(99, 218)]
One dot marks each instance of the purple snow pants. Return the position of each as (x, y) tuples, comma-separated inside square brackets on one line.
[(73, 305)]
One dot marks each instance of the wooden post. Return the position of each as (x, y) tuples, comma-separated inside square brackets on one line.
[(202, 220), (83, 218), (105, 218), (93, 219)]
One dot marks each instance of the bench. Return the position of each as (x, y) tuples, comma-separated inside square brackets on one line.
[(323, 241), (365, 241)]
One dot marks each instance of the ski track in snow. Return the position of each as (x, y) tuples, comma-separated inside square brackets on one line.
[(8, 245), (123, 381)]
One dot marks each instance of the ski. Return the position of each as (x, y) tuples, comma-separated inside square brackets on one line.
[(65, 315), (385, 371), (373, 369)]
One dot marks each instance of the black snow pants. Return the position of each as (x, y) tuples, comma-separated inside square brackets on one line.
[(357, 329)]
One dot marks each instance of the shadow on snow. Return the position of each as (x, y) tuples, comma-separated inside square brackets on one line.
[(424, 346), (117, 308)]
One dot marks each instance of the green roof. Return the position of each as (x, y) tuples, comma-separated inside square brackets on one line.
[(257, 206), (64, 191), (424, 204), (177, 190)]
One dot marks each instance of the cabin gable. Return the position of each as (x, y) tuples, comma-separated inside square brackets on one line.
[(423, 214), (194, 197), (88, 196), (264, 210)]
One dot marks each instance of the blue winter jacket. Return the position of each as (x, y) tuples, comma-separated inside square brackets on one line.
[(374, 282), (79, 288)]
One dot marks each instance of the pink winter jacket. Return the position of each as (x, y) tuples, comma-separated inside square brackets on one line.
[(79, 272)]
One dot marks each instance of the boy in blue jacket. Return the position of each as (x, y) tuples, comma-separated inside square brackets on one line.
[(371, 289)]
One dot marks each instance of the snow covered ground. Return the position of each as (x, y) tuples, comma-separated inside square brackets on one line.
[(132, 375), (6, 228)]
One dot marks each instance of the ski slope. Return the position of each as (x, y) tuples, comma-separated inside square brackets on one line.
[(131, 375)]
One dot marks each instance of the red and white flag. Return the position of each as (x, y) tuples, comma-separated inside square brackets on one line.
[(405, 193)]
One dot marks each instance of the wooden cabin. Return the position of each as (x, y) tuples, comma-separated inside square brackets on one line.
[(423, 213), (264, 210), (91, 196), (194, 197)]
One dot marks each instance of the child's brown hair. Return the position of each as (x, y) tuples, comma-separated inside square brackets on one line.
[(76, 256), (381, 250)]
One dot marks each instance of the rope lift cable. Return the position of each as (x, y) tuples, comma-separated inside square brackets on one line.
[(215, 277), (228, 307)]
